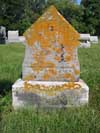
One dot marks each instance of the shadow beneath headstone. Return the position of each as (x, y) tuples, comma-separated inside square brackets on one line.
[(5, 86)]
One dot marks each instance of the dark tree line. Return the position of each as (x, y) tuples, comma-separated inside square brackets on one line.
[(20, 14)]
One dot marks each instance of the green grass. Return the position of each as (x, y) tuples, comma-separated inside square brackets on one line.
[(84, 120), (72, 120), (11, 57)]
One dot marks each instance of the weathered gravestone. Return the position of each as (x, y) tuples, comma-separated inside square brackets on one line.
[(13, 36), (2, 35), (51, 70), (85, 41), (94, 39)]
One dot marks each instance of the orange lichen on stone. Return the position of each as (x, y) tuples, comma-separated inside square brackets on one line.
[(52, 26), (50, 90), (58, 50), (50, 64), (67, 75), (41, 65), (68, 58), (46, 76), (29, 77), (77, 72), (58, 58), (38, 66), (52, 71)]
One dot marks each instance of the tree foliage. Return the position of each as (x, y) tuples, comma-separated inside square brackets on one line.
[(20, 14), (91, 16)]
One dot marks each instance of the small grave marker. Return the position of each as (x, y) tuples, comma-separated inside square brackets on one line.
[(13, 36), (85, 41), (94, 39)]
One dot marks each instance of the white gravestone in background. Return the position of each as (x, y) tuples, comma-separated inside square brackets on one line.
[(13, 36), (94, 39), (85, 41)]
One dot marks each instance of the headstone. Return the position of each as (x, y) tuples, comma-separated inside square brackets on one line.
[(13, 36), (85, 44), (84, 36), (51, 70), (2, 35), (85, 41), (94, 39)]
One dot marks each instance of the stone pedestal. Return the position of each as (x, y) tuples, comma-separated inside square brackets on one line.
[(49, 94)]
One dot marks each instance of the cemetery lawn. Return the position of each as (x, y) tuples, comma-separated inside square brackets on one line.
[(72, 120)]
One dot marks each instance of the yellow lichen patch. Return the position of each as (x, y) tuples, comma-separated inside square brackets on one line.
[(67, 75), (39, 59), (29, 77), (50, 64), (70, 85), (38, 66), (50, 90), (77, 72), (46, 76), (58, 50), (70, 49), (36, 69), (27, 86), (52, 71), (57, 58), (39, 53), (50, 24), (68, 58)]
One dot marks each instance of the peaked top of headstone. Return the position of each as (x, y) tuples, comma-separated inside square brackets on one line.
[(52, 27)]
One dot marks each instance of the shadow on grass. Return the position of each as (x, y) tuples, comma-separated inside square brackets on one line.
[(5, 86), (5, 97)]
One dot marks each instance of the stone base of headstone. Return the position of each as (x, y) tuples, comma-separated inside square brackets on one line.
[(49, 94), (85, 45)]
